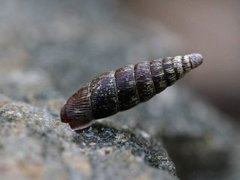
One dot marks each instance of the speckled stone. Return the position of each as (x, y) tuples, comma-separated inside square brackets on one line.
[(35, 144)]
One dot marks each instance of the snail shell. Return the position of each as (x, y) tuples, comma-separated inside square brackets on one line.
[(124, 88)]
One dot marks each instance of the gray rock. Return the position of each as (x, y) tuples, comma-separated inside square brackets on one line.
[(34, 144), (200, 140), (31, 86)]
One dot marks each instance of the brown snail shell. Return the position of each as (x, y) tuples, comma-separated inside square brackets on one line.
[(124, 88)]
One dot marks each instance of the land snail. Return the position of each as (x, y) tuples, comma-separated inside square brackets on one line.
[(124, 88)]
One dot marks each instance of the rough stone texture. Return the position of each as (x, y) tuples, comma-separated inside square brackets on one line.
[(35, 144), (48, 49), (200, 140)]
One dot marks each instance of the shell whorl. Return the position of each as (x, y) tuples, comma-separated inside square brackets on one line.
[(124, 88)]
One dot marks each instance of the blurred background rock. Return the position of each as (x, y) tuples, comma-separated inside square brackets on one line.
[(49, 48), (32, 31), (211, 28)]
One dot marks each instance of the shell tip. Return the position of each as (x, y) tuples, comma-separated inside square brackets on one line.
[(196, 60)]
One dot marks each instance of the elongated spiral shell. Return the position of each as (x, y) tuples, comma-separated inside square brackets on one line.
[(124, 88)]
